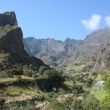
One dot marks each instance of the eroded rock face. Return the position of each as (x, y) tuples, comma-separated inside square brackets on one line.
[(94, 50), (11, 41), (8, 18)]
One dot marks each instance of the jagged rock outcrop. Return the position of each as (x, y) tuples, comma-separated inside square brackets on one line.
[(8, 18), (11, 38)]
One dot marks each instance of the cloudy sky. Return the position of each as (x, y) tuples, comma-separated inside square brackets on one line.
[(59, 19)]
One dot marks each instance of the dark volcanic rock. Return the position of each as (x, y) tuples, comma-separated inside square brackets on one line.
[(12, 43), (8, 18), (11, 38)]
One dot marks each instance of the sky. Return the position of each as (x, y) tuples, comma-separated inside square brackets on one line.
[(59, 19)]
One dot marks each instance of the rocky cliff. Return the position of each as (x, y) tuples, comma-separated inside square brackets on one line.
[(11, 38), (90, 51), (8, 18)]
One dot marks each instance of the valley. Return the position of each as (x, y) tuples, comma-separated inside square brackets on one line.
[(71, 54), (47, 74)]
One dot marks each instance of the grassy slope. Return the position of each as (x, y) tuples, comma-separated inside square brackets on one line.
[(99, 94), (17, 90)]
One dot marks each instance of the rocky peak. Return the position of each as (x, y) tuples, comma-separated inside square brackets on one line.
[(101, 36), (11, 40), (8, 18)]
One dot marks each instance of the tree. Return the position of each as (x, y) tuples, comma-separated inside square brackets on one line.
[(29, 70), (50, 79), (17, 70), (54, 78), (42, 69)]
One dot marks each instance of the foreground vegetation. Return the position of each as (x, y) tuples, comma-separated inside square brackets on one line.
[(25, 87)]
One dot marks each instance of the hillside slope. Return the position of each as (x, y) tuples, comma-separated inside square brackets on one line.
[(60, 54)]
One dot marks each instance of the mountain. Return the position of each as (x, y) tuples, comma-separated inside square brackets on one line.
[(51, 50), (11, 38), (93, 50), (26, 83), (8, 18)]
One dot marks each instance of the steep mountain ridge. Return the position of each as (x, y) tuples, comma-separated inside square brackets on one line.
[(61, 54), (11, 38)]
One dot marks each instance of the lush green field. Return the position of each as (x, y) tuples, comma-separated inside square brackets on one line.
[(99, 93)]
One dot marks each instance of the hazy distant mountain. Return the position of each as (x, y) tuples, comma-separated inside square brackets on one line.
[(62, 53), (52, 51)]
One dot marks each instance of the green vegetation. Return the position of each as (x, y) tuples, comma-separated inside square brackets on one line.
[(26, 83), (76, 68), (90, 103), (23, 105), (55, 105), (73, 103), (106, 100), (100, 94), (14, 91), (46, 85), (5, 79), (62, 92)]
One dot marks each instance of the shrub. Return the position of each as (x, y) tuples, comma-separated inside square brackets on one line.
[(49, 96), (42, 69), (17, 70), (78, 89), (23, 105), (51, 79), (29, 70), (87, 68), (73, 103), (55, 105), (90, 103), (2, 102)]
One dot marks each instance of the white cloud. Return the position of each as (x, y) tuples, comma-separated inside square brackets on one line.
[(107, 20), (92, 23)]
